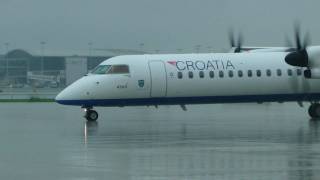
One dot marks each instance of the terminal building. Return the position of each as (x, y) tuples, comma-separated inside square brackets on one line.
[(33, 75), (20, 68)]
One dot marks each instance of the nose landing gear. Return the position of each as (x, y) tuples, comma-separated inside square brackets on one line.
[(314, 110), (91, 115)]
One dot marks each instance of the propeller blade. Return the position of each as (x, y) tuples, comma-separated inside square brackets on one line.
[(297, 37), (231, 38), (240, 41), (233, 43)]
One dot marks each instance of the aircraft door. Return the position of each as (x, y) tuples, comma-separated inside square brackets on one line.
[(158, 79)]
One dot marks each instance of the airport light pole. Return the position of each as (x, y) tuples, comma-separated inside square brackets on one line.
[(90, 48), (141, 47), (6, 58), (43, 43)]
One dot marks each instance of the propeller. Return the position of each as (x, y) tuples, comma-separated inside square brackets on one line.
[(299, 57), (237, 45)]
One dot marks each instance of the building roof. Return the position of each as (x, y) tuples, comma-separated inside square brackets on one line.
[(70, 53), (18, 53)]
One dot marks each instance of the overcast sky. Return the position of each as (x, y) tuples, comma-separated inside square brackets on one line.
[(165, 25)]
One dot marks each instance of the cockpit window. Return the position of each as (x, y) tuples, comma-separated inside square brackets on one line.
[(111, 69), (119, 69), (101, 69)]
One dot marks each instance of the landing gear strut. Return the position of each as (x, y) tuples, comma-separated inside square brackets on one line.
[(314, 110), (91, 115)]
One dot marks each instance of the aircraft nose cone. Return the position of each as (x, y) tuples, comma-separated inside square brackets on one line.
[(60, 97), (76, 93)]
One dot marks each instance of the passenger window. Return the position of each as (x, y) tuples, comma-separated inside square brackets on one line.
[(268, 72), (240, 74), (180, 75), (258, 73), (221, 74), (230, 73), (279, 73), (249, 73), (101, 69), (289, 72), (211, 74), (201, 74), (190, 74), (299, 72), (119, 69)]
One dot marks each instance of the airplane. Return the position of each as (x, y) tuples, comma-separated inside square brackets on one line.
[(261, 75)]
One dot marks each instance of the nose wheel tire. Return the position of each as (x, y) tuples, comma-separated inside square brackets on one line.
[(91, 115), (314, 110)]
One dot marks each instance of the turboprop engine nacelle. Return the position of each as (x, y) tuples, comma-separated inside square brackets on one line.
[(313, 70)]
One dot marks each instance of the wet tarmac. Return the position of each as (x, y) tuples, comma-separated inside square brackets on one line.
[(231, 141)]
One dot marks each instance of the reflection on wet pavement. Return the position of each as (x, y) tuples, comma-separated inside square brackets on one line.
[(240, 141)]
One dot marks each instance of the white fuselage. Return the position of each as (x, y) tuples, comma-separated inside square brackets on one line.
[(193, 79)]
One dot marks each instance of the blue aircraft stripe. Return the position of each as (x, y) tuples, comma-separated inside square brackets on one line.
[(193, 100)]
